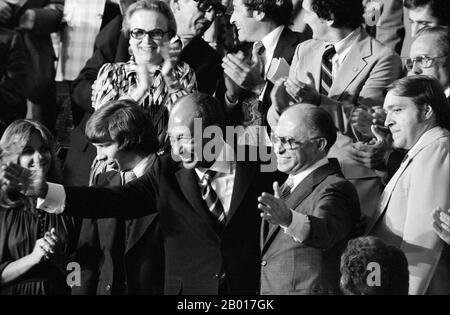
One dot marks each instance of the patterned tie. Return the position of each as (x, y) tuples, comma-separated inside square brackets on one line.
[(212, 201), (287, 187), (326, 74)]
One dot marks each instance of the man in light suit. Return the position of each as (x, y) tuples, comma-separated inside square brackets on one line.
[(205, 197), (357, 70), (312, 215), (419, 120)]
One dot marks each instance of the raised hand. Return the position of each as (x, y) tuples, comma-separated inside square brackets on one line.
[(275, 210), (45, 247), (29, 182), (303, 92)]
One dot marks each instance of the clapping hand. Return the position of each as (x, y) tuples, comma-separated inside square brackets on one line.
[(274, 209), (13, 177), (45, 247), (441, 224)]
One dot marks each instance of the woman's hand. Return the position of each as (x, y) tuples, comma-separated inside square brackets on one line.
[(45, 247), (170, 51)]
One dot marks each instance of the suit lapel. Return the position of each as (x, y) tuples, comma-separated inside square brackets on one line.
[(353, 64), (242, 180), (430, 137), (301, 192), (188, 183)]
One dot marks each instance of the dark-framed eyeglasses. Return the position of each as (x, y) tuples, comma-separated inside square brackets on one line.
[(289, 143), (155, 34), (208, 5), (422, 61)]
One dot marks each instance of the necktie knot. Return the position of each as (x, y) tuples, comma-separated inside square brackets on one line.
[(287, 187), (258, 48), (208, 176), (329, 52)]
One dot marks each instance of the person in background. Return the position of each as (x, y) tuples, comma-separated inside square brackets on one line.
[(369, 259)]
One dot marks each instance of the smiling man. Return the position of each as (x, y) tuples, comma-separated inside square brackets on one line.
[(309, 219), (419, 120), (208, 209)]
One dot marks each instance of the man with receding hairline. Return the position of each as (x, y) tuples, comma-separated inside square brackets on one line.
[(309, 219)]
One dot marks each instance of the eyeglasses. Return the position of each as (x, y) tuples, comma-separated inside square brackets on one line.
[(422, 61), (289, 143), (208, 5), (183, 140), (155, 34)]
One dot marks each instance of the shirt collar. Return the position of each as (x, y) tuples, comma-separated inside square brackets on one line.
[(419, 142), (143, 165), (270, 42), (223, 164), (345, 44), (299, 177)]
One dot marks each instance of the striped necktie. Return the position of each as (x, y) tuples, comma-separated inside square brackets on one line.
[(210, 197), (258, 51), (326, 74)]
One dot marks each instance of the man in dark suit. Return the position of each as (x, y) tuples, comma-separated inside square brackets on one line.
[(312, 215), (117, 256), (206, 200), (112, 46), (265, 24)]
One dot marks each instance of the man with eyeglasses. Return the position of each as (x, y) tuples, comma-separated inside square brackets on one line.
[(193, 19), (429, 55), (307, 220)]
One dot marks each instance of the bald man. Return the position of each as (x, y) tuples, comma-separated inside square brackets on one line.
[(206, 200), (309, 219)]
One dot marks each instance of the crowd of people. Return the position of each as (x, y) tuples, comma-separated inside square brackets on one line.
[(308, 153)]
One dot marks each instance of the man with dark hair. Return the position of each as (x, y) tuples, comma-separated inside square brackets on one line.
[(312, 215), (121, 256), (418, 118), (427, 13), (341, 69), (263, 22), (206, 200), (369, 259), (193, 19)]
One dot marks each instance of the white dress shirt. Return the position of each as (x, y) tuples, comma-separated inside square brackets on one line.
[(223, 182), (300, 226), (342, 49)]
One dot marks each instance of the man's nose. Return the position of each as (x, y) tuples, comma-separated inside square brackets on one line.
[(101, 156), (388, 122), (416, 69)]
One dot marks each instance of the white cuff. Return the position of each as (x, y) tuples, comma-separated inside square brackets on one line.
[(54, 201), (299, 228)]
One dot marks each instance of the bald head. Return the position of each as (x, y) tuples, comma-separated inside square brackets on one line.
[(197, 105), (306, 120)]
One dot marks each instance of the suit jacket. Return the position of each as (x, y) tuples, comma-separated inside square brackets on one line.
[(118, 256), (285, 48), (112, 46), (12, 76), (366, 71), (312, 267), (421, 184), (198, 260)]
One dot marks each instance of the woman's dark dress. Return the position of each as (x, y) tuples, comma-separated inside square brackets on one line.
[(19, 230)]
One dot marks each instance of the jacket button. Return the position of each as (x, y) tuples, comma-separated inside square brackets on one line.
[(263, 263)]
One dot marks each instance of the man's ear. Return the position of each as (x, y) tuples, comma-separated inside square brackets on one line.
[(428, 112), (322, 144), (258, 15)]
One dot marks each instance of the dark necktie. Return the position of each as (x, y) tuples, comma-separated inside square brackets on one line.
[(210, 197), (258, 51), (326, 74), (287, 187)]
